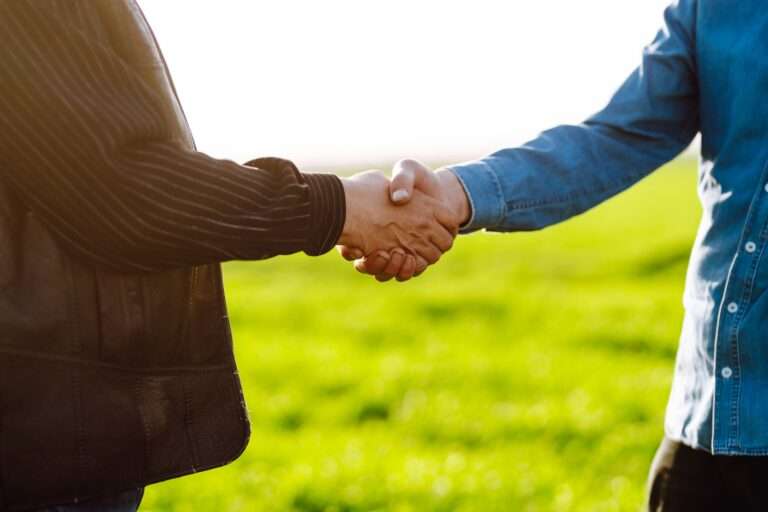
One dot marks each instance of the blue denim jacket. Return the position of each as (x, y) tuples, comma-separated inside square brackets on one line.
[(706, 71)]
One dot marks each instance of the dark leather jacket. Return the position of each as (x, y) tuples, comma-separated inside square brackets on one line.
[(109, 381)]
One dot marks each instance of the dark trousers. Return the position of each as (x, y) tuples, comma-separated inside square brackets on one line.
[(127, 501), (684, 479)]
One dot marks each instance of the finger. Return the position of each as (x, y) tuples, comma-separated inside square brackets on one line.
[(373, 264), (396, 260), (349, 253), (433, 243), (429, 252), (361, 265), (421, 266), (408, 175), (401, 186), (408, 269), (442, 239)]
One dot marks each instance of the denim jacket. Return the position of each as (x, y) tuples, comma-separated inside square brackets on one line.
[(705, 72)]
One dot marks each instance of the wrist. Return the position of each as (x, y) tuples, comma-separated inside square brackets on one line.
[(350, 232), (455, 195)]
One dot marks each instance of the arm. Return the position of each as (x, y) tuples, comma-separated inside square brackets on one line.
[(87, 149), (569, 169)]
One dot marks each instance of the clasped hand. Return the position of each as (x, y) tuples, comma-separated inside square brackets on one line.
[(396, 229)]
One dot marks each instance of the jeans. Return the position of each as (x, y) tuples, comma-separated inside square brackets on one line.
[(127, 501), (683, 479)]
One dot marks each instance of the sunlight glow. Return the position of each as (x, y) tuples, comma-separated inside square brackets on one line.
[(341, 82)]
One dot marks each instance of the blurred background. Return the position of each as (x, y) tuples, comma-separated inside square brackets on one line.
[(525, 372)]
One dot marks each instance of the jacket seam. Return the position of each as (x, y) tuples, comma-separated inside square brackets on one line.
[(146, 429), (499, 195), (77, 411), (189, 424), (733, 438)]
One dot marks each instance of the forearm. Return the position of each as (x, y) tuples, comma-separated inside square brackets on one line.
[(196, 209), (562, 173), (156, 207)]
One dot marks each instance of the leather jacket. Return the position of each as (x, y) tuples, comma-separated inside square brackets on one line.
[(109, 381)]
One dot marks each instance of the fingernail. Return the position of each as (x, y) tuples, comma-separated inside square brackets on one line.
[(399, 195)]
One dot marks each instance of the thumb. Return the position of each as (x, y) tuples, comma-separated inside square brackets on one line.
[(409, 174)]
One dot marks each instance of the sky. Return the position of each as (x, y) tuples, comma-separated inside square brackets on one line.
[(334, 84)]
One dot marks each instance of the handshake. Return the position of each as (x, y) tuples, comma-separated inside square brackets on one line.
[(397, 228)]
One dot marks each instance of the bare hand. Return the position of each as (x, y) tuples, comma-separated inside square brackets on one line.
[(393, 236), (410, 180)]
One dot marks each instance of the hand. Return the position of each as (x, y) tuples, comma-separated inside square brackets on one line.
[(409, 178), (377, 229)]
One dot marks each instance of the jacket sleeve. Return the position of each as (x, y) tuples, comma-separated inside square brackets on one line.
[(569, 169), (87, 149)]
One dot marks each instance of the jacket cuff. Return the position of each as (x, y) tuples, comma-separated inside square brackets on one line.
[(486, 198), (328, 212)]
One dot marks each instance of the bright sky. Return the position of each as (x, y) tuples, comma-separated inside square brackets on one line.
[(333, 83)]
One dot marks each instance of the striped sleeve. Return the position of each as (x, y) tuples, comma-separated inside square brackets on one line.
[(86, 147)]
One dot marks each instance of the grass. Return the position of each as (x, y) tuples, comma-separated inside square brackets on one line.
[(525, 372)]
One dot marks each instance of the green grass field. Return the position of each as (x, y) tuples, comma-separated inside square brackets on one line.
[(525, 372)]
